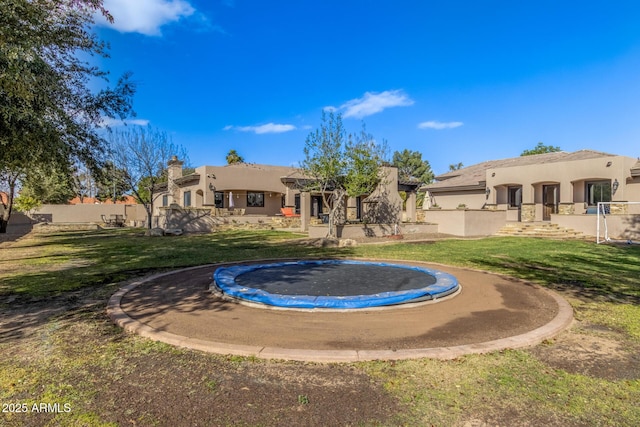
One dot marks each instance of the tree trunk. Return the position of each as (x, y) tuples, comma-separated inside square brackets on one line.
[(3, 226), (149, 217), (337, 197)]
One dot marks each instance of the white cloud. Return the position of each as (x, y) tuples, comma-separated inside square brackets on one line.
[(439, 125), (144, 16), (268, 128), (110, 122), (372, 103)]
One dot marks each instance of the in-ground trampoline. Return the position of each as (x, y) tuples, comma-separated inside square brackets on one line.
[(333, 284), (492, 313)]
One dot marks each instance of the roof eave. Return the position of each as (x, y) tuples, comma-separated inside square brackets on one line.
[(474, 187)]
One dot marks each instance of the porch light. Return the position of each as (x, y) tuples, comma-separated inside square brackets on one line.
[(212, 187), (615, 186), (487, 191)]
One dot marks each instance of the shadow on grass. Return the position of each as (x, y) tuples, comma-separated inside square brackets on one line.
[(14, 233), (612, 273), (106, 258)]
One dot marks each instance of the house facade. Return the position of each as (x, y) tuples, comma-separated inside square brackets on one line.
[(248, 188), (559, 187), (243, 191)]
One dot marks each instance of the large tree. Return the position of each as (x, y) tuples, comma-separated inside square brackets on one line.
[(411, 166), (338, 164), (112, 183), (540, 149), (49, 184), (48, 111), (142, 154)]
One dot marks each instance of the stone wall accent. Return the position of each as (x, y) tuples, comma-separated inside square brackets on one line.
[(284, 222), (355, 231), (619, 209), (44, 227), (528, 212), (566, 208), (187, 219)]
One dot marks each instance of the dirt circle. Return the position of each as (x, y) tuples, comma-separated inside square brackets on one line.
[(492, 312)]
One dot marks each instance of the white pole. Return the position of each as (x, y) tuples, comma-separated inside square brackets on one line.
[(598, 225)]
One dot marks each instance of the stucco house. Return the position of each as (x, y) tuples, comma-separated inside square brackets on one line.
[(559, 187), (249, 188), (240, 192)]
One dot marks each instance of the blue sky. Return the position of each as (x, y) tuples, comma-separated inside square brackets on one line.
[(459, 81)]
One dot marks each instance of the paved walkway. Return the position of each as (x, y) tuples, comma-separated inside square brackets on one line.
[(492, 312)]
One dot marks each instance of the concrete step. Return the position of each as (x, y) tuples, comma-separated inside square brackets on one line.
[(546, 230)]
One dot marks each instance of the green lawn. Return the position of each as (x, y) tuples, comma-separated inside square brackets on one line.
[(508, 388)]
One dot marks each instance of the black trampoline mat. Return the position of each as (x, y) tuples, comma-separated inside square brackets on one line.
[(334, 279)]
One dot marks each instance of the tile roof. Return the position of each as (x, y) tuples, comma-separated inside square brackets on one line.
[(128, 200), (475, 175)]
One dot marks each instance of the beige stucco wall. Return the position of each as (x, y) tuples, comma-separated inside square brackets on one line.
[(459, 222), (87, 213), (243, 177), (475, 199), (387, 208), (621, 227), (238, 179), (632, 191), (355, 231), (571, 176)]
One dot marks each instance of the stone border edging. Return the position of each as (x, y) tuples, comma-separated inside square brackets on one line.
[(559, 323)]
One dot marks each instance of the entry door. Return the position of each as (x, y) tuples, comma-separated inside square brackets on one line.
[(550, 201)]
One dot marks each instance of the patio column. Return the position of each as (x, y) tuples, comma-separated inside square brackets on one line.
[(411, 207), (528, 194), (566, 206), (566, 192), (528, 212), (289, 197), (305, 210)]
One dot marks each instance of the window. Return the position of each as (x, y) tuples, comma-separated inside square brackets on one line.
[(514, 196), (255, 200), (165, 200), (219, 199), (598, 191), (187, 199)]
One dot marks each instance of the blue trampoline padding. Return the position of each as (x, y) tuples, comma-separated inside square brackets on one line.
[(225, 279)]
